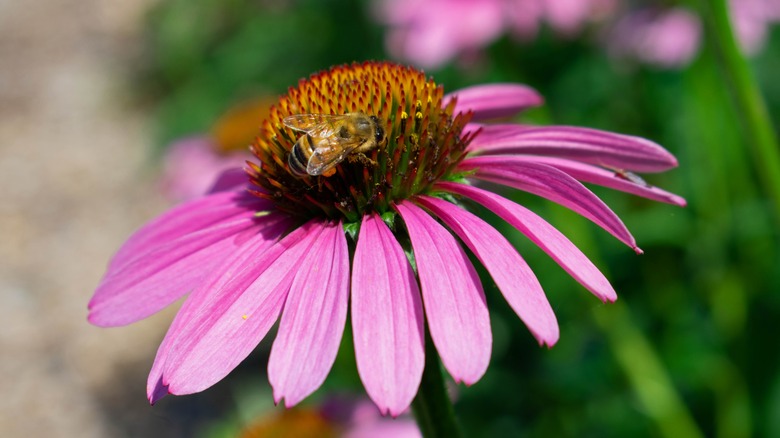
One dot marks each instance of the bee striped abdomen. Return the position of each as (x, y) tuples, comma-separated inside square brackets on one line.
[(299, 156)]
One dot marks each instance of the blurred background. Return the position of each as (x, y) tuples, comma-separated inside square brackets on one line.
[(110, 112)]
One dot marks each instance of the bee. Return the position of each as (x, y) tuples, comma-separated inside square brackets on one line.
[(328, 139)]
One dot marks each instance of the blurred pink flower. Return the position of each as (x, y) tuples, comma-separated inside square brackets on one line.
[(667, 39), (567, 17), (359, 418), (384, 427), (670, 38), (430, 33), (191, 167), (337, 416), (751, 20), (276, 247)]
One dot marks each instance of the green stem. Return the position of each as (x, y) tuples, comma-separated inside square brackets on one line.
[(432, 406), (646, 373), (759, 133), (635, 354)]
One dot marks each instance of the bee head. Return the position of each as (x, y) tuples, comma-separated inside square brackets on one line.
[(379, 134)]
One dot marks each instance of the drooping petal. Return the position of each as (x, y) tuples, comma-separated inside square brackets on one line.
[(147, 284), (155, 388), (549, 182), (607, 178), (313, 319), (494, 100), (229, 180), (455, 304), (582, 144), (544, 235), (227, 316), (512, 275), (191, 165), (387, 318), (183, 219)]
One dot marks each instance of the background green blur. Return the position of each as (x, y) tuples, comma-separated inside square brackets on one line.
[(691, 346)]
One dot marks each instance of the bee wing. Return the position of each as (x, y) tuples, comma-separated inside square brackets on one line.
[(318, 125), (329, 152)]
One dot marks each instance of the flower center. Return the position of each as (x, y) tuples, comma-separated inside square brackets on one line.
[(354, 139)]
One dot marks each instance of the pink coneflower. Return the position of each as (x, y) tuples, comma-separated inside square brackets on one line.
[(336, 416), (192, 165), (430, 33), (670, 38), (751, 20), (381, 234), (667, 39)]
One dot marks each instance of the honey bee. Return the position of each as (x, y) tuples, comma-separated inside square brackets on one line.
[(328, 139)]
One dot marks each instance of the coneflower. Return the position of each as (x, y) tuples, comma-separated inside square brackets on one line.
[(380, 237)]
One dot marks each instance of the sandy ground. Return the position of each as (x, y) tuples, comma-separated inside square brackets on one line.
[(75, 182)]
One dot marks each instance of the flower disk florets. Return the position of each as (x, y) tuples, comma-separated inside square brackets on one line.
[(423, 141)]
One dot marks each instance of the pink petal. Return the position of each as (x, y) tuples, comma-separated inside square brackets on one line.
[(494, 100), (550, 183), (183, 219), (150, 282), (155, 388), (544, 235), (313, 320), (512, 275), (455, 304), (470, 129), (387, 318), (607, 178), (230, 179), (191, 165), (226, 317), (582, 144)]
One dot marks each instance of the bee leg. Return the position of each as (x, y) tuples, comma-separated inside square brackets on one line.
[(361, 158)]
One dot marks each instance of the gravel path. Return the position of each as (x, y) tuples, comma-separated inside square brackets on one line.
[(76, 181)]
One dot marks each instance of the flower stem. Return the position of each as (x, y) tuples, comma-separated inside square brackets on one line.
[(759, 133), (645, 371), (635, 354), (432, 406)]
